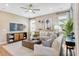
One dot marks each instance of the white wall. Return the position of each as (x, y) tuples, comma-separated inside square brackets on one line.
[(76, 26), (53, 17), (5, 19)]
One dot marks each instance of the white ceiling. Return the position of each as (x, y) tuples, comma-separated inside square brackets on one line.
[(45, 8)]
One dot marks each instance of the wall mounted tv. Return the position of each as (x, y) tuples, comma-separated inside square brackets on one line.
[(16, 27)]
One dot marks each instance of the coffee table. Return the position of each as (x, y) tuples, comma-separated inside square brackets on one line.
[(30, 43)]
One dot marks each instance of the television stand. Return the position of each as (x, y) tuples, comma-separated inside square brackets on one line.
[(14, 37)]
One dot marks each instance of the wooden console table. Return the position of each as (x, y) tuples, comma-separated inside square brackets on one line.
[(14, 37)]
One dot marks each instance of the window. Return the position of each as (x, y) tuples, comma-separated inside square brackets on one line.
[(61, 20), (32, 25)]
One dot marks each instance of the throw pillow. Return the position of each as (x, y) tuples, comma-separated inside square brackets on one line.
[(47, 43)]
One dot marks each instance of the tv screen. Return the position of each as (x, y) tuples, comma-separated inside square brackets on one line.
[(16, 27)]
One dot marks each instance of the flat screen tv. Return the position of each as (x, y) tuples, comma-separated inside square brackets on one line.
[(16, 27)]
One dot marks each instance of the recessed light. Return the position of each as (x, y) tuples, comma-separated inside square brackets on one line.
[(7, 5)]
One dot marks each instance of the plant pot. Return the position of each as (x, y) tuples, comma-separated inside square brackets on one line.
[(70, 37)]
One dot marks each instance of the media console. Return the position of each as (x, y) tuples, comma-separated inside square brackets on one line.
[(14, 37)]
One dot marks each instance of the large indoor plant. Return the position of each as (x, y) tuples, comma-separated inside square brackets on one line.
[(68, 27)]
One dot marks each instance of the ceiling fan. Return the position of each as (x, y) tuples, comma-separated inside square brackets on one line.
[(30, 8)]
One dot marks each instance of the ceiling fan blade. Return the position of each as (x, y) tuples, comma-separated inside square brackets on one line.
[(33, 12), (23, 7), (26, 11), (36, 9)]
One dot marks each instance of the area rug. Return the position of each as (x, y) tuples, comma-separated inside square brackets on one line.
[(16, 49)]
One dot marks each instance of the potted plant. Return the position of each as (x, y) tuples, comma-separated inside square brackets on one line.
[(68, 28)]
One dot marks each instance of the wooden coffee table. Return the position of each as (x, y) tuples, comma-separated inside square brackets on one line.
[(30, 43)]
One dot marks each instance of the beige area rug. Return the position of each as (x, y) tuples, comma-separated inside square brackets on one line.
[(16, 49)]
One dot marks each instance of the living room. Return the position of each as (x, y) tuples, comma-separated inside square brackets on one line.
[(26, 28)]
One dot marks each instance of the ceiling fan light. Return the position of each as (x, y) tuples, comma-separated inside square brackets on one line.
[(30, 10)]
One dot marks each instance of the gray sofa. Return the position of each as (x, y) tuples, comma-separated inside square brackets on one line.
[(54, 50)]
